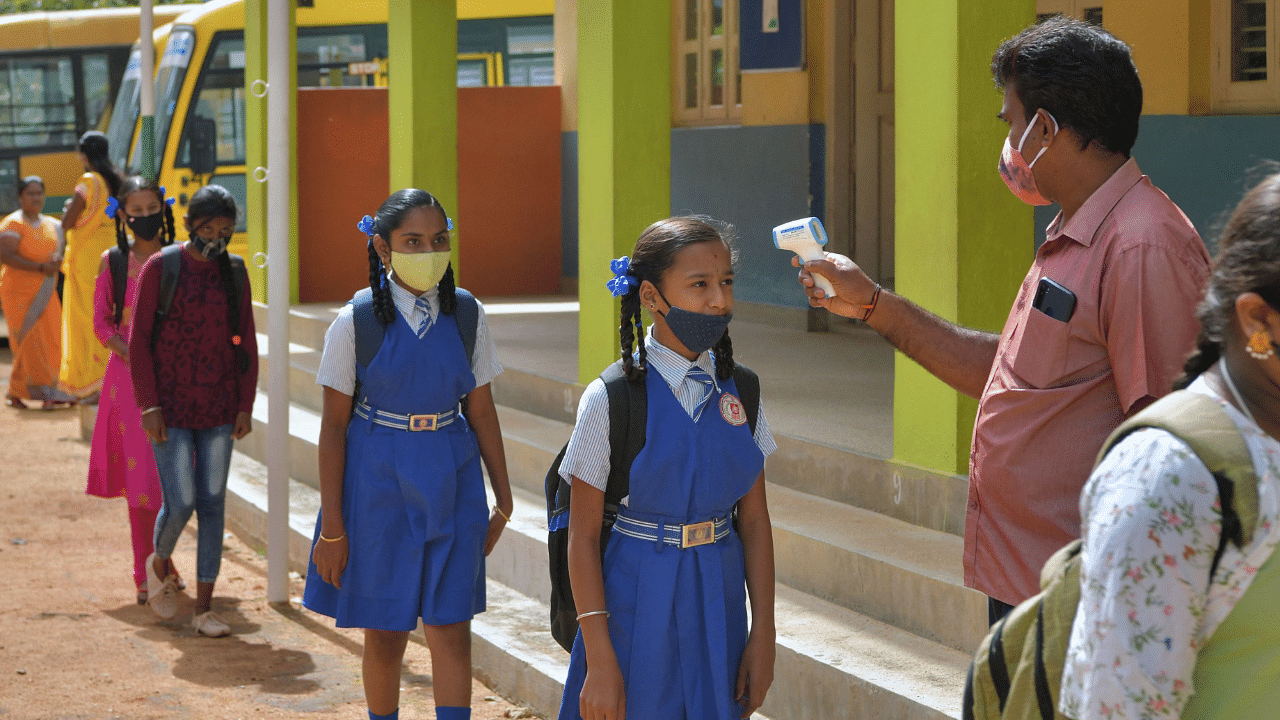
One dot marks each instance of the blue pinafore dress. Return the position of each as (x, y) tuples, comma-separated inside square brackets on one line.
[(677, 617), (413, 503)]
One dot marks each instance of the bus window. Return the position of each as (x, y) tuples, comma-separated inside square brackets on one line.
[(325, 53), (219, 98), (172, 70), (9, 183), (474, 71), (125, 113), (530, 55), (235, 184), (37, 102), (95, 71)]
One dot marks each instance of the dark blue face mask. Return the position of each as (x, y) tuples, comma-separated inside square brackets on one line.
[(698, 332)]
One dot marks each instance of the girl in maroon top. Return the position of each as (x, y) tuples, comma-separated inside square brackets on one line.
[(194, 375)]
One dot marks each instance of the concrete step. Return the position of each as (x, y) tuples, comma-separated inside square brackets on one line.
[(304, 363), (832, 662), (891, 570)]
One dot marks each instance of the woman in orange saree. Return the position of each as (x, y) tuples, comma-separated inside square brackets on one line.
[(29, 259)]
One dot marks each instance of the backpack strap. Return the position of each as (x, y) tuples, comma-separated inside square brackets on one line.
[(170, 270), (467, 315), (748, 384), (369, 329), (628, 413), (1201, 423), (118, 264), (238, 276)]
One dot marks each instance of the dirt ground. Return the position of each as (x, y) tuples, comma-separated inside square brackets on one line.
[(74, 643)]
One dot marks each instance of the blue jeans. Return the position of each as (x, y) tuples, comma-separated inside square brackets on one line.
[(193, 467)]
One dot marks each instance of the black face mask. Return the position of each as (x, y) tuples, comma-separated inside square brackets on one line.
[(210, 248), (146, 227), (698, 332)]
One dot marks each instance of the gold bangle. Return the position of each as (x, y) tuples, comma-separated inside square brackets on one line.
[(343, 536), (504, 515), (593, 612)]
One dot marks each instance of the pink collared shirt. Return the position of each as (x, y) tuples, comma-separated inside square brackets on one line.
[(1057, 389)]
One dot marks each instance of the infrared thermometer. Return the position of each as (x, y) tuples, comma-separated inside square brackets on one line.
[(805, 238)]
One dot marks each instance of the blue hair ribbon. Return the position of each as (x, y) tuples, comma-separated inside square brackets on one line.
[(448, 223), (169, 201), (622, 281), (365, 225), (112, 205)]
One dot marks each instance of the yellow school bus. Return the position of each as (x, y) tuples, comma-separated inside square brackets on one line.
[(59, 72), (200, 84)]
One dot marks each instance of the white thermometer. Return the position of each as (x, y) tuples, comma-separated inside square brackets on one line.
[(805, 238)]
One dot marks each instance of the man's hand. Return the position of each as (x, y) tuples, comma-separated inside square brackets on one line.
[(853, 288)]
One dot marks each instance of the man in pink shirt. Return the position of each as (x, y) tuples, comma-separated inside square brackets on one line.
[(1102, 322)]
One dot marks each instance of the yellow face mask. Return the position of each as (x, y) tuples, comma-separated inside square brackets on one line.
[(420, 271)]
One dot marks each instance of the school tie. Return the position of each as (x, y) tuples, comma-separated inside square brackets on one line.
[(698, 375), (424, 322)]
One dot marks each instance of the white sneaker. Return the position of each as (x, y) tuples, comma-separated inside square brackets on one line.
[(210, 625), (162, 596)]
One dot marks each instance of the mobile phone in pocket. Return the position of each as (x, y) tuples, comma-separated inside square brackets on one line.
[(1054, 300)]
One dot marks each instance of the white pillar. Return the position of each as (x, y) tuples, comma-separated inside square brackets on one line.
[(279, 125), (147, 89)]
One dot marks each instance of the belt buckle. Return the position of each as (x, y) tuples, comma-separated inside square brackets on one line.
[(418, 423), (703, 533)]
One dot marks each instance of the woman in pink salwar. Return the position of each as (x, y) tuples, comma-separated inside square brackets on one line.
[(121, 461)]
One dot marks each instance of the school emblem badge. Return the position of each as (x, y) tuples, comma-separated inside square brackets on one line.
[(731, 409)]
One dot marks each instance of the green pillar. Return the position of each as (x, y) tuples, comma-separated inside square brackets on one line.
[(624, 153), (963, 242), (423, 103), (255, 138)]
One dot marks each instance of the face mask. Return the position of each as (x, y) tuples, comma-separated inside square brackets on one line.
[(698, 332), (1017, 172), (421, 271), (146, 227), (209, 248)]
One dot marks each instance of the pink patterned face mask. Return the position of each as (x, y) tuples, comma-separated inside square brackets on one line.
[(1017, 172)]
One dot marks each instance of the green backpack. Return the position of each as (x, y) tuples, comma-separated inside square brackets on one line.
[(1017, 669)]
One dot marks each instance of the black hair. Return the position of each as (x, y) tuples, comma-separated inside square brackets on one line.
[(1081, 74), (131, 185), (207, 203), (388, 218), (94, 146), (655, 252), (1248, 260), (29, 180)]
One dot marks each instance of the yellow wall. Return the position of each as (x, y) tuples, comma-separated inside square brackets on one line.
[(1171, 47), (792, 97)]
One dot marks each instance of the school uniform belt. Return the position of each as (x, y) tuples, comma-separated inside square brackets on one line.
[(412, 423), (682, 536)]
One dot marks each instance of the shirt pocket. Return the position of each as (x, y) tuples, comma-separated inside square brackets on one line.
[(1040, 358)]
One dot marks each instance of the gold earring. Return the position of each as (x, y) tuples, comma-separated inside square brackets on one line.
[(1259, 346)]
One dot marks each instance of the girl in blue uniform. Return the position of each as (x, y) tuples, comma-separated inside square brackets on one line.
[(404, 526), (663, 621)]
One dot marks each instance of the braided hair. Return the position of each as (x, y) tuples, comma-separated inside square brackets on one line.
[(1248, 260), (390, 217), (131, 185), (215, 201), (655, 252), (94, 146)]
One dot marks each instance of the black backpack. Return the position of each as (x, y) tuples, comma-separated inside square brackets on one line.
[(628, 413), (170, 271)]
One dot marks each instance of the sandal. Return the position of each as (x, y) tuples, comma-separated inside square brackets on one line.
[(14, 402), (57, 404), (142, 596)]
